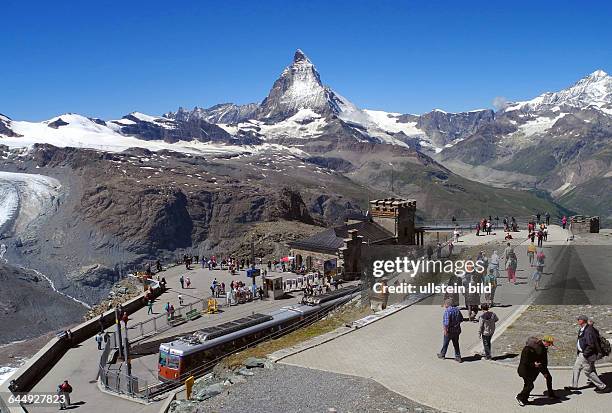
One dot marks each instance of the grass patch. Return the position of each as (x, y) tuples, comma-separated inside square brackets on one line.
[(332, 321)]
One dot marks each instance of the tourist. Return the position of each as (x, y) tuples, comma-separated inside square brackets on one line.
[(439, 251), (64, 390), (539, 269), (538, 216), (540, 236), (591, 322), (547, 217), (541, 347), (494, 264), (528, 370), (486, 328), (589, 350), (450, 248), (187, 282), (456, 234), (180, 299), (451, 323), (490, 280), (564, 221), (182, 281), (99, 340), (472, 299), (150, 307), (531, 251), (511, 265), (101, 322)]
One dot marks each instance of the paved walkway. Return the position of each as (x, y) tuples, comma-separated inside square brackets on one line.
[(80, 364), (400, 353)]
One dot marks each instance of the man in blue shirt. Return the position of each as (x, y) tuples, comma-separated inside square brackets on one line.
[(451, 322)]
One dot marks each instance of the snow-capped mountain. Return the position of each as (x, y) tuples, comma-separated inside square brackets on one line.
[(300, 106), (592, 90), (559, 141), (131, 131), (299, 87), (221, 113)]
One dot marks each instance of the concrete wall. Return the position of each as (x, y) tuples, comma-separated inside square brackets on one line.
[(42, 362)]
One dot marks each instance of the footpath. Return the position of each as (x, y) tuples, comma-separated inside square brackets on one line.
[(80, 364), (399, 351)]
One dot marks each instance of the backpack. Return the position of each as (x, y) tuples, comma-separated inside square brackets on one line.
[(604, 345)]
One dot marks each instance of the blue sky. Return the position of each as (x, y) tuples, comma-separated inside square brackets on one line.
[(108, 58)]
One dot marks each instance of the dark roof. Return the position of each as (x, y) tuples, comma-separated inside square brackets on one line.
[(331, 239)]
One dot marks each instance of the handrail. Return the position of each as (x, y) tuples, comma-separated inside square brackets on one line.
[(150, 391)]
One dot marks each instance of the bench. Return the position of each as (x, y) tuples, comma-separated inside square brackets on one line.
[(193, 314)]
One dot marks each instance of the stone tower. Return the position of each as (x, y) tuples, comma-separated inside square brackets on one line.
[(397, 216)]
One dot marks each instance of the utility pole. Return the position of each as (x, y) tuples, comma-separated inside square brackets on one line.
[(118, 327), (127, 360), (254, 288)]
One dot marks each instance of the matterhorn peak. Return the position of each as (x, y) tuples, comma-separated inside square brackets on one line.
[(299, 56)]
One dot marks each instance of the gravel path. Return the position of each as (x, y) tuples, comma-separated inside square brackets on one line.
[(289, 389)]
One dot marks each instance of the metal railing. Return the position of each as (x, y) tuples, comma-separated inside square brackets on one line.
[(164, 321), (118, 382)]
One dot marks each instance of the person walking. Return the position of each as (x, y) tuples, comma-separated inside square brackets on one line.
[(564, 221), (511, 264), (547, 218), (539, 269), (101, 322), (64, 391), (472, 299), (541, 348), (99, 340), (490, 280), (439, 250), (180, 299), (150, 307), (531, 251), (187, 282), (494, 264), (540, 236), (450, 248), (182, 281), (588, 351), (528, 369), (486, 328), (451, 323)]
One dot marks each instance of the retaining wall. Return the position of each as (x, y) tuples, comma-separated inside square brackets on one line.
[(43, 361)]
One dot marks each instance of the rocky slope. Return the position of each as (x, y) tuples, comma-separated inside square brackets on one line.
[(29, 307), (561, 140)]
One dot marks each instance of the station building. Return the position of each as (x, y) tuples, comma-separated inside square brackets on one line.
[(389, 221)]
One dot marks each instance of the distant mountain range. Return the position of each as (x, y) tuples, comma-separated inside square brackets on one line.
[(556, 142)]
